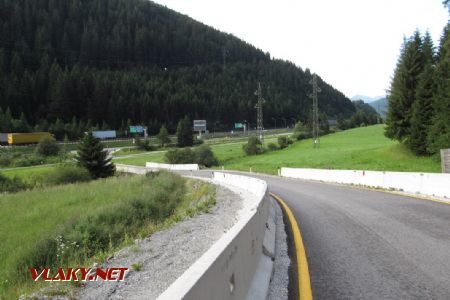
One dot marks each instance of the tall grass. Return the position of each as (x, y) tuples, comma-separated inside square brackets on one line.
[(72, 224)]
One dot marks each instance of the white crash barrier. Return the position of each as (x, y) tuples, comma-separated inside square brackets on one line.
[(431, 184), (173, 167), (227, 270), (132, 169)]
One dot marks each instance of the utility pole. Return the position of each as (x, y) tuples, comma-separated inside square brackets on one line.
[(315, 126), (259, 113)]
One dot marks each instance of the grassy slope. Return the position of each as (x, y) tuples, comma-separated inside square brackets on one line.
[(224, 152), (360, 148), (28, 171), (26, 217)]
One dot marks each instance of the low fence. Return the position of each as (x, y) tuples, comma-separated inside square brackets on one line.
[(431, 184), (227, 270), (172, 167)]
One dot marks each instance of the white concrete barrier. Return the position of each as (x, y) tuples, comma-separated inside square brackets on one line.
[(431, 184), (173, 167), (227, 270), (132, 169)]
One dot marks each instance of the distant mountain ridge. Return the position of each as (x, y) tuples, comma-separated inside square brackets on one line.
[(381, 106), (366, 99)]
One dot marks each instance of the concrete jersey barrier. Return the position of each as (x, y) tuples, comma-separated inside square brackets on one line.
[(173, 167), (430, 184), (227, 270), (132, 169)]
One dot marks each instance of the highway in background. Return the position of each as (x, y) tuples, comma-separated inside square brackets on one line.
[(363, 244)]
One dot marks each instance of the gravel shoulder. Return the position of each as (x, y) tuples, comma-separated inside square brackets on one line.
[(278, 288), (165, 255)]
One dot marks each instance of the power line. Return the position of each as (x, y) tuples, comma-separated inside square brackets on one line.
[(259, 113), (315, 117)]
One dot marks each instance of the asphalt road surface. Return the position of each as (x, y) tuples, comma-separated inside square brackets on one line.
[(363, 244)]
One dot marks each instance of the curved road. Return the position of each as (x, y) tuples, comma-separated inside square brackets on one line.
[(362, 244)]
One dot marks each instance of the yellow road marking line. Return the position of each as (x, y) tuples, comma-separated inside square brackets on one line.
[(304, 282)]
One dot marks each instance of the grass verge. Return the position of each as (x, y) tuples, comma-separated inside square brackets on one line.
[(78, 224)]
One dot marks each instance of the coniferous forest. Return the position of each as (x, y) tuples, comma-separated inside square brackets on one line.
[(419, 97), (70, 65)]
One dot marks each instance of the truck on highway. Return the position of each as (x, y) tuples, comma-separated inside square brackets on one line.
[(104, 134), (27, 138)]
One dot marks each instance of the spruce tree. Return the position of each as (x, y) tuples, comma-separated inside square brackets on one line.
[(439, 134), (403, 89), (94, 158), (163, 136), (422, 110), (185, 133)]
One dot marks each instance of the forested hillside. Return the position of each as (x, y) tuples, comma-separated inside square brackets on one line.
[(114, 62)]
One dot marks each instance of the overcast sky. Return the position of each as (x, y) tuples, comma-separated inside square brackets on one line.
[(351, 44)]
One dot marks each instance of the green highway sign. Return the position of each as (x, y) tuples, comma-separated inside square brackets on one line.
[(238, 125), (136, 129)]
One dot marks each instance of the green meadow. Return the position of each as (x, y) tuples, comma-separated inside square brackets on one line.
[(364, 148)]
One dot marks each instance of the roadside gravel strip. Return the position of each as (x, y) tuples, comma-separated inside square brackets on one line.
[(278, 288), (165, 255)]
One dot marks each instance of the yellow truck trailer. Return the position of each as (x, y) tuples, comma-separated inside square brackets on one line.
[(27, 138)]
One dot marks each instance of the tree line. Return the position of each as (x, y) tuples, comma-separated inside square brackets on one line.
[(109, 61), (419, 97), (365, 115)]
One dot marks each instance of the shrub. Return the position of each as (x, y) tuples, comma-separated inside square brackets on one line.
[(284, 141), (204, 156), (298, 131), (180, 156), (11, 185), (302, 136), (48, 147), (143, 144), (5, 160), (201, 155), (68, 174), (272, 147), (137, 266), (198, 141), (253, 146), (29, 160)]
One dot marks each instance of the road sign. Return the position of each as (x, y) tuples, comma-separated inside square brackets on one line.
[(136, 129), (238, 125), (199, 125)]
